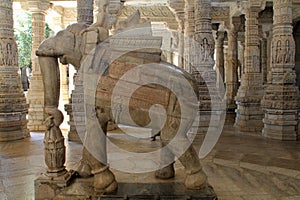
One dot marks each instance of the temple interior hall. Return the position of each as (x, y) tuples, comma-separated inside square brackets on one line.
[(173, 97)]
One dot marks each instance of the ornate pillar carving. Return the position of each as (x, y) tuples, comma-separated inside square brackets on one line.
[(178, 7), (280, 102), (13, 107), (231, 72), (203, 62), (85, 11), (189, 30), (36, 91), (249, 112), (220, 57)]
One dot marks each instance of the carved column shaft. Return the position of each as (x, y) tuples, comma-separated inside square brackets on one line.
[(38, 35), (189, 29), (220, 57), (85, 11), (13, 107), (36, 90), (179, 9), (281, 98), (231, 69), (249, 112)]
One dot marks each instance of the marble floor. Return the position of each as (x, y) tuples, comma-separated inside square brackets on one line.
[(239, 167)]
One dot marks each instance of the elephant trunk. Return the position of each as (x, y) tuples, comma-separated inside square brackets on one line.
[(50, 73)]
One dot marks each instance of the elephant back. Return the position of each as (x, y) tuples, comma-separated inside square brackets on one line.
[(134, 82)]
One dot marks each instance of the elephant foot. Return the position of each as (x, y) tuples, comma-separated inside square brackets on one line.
[(84, 170), (104, 180), (196, 180), (166, 172)]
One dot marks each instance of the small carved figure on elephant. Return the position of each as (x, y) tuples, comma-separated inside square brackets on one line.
[(68, 46)]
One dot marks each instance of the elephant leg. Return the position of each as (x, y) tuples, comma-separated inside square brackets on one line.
[(96, 163), (84, 170), (104, 179), (166, 170), (195, 177)]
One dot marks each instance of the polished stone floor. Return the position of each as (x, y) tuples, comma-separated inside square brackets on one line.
[(239, 167)]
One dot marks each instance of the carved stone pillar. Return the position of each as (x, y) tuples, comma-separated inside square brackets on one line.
[(189, 30), (203, 62), (13, 107), (231, 72), (249, 112), (85, 11), (36, 90), (281, 97), (220, 57)]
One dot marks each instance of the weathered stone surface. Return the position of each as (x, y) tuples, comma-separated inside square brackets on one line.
[(281, 98), (13, 107)]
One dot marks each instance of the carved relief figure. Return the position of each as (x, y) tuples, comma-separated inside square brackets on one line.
[(206, 50), (279, 53), (1, 55), (287, 53), (15, 54), (9, 54)]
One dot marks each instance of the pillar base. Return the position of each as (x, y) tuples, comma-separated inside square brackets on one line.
[(49, 185), (230, 116), (13, 126), (249, 118), (249, 113), (280, 124), (36, 104)]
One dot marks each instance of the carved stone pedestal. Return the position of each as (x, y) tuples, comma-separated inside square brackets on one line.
[(48, 185), (284, 126), (249, 112), (83, 189)]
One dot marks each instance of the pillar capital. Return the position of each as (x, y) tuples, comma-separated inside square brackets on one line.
[(36, 6), (256, 5), (220, 36), (177, 6)]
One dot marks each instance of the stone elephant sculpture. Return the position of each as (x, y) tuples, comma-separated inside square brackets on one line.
[(69, 46)]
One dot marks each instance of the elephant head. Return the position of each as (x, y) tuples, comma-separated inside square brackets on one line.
[(69, 44), (70, 47)]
